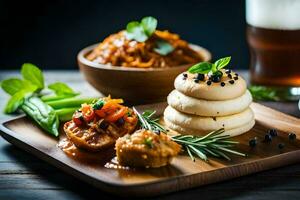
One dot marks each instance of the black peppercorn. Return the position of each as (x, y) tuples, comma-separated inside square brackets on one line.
[(273, 132), (236, 74), (236, 78), (268, 138), (218, 73), (215, 79), (231, 81), (280, 146), (200, 77), (292, 136), (185, 75), (208, 82), (196, 80), (253, 142), (222, 84), (229, 76), (228, 71)]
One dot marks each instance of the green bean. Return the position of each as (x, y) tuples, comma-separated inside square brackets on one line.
[(65, 114), (42, 114), (70, 102), (48, 98)]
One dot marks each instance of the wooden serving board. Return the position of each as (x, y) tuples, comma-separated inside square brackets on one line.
[(182, 173)]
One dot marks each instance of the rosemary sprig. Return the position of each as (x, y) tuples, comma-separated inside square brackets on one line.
[(148, 122), (213, 144)]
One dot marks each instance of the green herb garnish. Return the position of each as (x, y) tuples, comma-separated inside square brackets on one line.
[(207, 67), (212, 144), (148, 142), (62, 89), (163, 47), (33, 74), (147, 121), (264, 93), (149, 25), (99, 104), (33, 80), (28, 95), (141, 31), (42, 114)]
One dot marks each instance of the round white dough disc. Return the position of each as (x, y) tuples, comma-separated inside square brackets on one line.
[(208, 123), (214, 92), (202, 107), (231, 132)]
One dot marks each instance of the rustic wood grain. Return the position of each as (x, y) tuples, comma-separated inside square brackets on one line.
[(280, 183), (183, 173)]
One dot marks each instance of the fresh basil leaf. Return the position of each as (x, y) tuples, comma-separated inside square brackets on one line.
[(163, 47), (263, 93), (134, 31), (141, 31), (222, 62), (214, 68), (33, 74), (42, 113), (62, 89), (16, 101), (12, 85), (131, 26), (27, 85), (201, 68), (149, 25)]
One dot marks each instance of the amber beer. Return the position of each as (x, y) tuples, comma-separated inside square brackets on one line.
[(273, 35)]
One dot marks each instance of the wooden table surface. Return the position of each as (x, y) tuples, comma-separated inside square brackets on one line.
[(22, 176)]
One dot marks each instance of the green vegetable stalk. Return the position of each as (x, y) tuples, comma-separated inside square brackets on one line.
[(54, 97), (65, 114), (42, 114), (46, 111), (70, 102)]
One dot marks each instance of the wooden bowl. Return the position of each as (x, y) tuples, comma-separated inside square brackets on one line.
[(134, 85)]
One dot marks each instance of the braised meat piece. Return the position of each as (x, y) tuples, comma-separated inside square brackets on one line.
[(145, 148), (99, 125)]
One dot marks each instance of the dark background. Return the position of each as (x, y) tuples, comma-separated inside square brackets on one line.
[(50, 33)]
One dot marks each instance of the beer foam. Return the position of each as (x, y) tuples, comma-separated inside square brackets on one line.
[(274, 14)]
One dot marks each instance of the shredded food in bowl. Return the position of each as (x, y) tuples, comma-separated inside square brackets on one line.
[(117, 50)]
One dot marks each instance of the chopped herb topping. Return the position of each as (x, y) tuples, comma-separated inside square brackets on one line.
[(148, 142), (98, 105)]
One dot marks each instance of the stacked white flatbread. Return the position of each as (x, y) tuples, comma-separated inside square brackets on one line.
[(198, 107)]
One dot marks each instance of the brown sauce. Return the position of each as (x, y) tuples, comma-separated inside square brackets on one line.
[(91, 158), (113, 164), (107, 159)]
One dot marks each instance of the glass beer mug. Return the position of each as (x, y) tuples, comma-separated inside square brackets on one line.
[(273, 35)]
